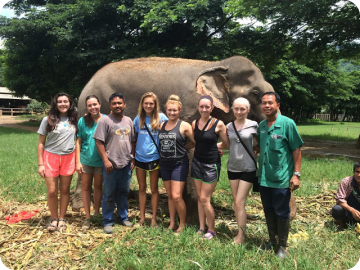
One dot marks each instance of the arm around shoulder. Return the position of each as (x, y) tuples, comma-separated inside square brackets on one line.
[(223, 134), (188, 131)]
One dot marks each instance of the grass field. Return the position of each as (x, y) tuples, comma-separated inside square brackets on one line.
[(334, 131), (157, 248)]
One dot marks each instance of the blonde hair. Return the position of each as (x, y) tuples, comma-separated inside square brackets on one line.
[(154, 118), (174, 99), (242, 101)]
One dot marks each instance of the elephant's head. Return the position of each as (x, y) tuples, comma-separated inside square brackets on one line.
[(226, 83)]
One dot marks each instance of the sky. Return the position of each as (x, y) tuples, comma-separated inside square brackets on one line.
[(6, 12)]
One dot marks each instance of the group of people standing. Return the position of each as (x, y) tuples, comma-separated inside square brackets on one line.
[(109, 147)]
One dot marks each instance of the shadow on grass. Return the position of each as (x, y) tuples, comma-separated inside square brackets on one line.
[(31, 123)]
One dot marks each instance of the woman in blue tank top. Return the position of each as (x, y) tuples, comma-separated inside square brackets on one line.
[(174, 162), (206, 164), (147, 156)]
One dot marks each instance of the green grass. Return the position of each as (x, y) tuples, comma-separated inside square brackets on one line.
[(34, 116), (333, 131), (31, 124), (19, 179), (150, 248)]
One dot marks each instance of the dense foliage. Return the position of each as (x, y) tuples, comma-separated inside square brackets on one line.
[(59, 44)]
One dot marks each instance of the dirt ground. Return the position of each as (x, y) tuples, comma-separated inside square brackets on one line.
[(314, 148)]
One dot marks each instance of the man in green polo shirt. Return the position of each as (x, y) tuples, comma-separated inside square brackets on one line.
[(279, 169)]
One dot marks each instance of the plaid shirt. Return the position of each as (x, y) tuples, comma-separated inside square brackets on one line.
[(344, 190)]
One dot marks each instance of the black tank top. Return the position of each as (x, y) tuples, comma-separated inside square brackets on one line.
[(172, 144), (206, 150)]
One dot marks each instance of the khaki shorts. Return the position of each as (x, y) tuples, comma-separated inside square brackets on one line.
[(92, 170)]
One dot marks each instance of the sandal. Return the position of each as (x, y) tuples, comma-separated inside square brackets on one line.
[(51, 227), (209, 235), (62, 226), (200, 232), (86, 224)]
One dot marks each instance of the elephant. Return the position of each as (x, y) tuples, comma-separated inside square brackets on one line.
[(224, 80)]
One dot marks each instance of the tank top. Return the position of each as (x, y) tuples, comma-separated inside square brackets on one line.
[(206, 150), (172, 144)]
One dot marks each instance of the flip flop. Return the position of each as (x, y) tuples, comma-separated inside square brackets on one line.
[(52, 225), (209, 235)]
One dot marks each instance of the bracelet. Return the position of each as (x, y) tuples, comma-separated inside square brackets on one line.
[(41, 165)]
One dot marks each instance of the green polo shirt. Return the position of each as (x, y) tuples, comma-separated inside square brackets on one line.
[(276, 165)]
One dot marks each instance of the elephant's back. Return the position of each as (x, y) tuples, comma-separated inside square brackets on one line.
[(134, 77)]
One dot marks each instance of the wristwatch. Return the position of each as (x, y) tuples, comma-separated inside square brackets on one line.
[(298, 174)]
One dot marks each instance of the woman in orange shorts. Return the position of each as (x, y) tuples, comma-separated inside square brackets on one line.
[(56, 156)]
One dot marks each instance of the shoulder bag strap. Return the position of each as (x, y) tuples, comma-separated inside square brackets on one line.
[(152, 138), (247, 150)]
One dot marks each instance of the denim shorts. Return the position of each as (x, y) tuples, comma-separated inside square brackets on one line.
[(177, 171)]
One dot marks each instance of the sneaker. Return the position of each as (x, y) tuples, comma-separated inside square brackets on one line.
[(108, 229), (86, 224), (127, 223)]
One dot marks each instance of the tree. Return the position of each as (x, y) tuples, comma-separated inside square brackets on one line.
[(314, 27), (58, 48)]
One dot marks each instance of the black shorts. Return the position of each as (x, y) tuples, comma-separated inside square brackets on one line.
[(245, 176), (148, 166), (177, 171), (208, 173)]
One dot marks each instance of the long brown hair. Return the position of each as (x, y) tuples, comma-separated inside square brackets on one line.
[(54, 115), (154, 118), (89, 121)]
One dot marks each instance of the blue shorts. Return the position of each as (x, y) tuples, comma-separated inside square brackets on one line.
[(177, 171)]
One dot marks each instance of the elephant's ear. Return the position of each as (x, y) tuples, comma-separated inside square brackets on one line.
[(213, 82)]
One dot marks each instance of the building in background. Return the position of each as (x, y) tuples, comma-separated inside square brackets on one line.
[(9, 100)]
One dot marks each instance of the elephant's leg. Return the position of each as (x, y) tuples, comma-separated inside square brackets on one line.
[(76, 201), (293, 207), (190, 196)]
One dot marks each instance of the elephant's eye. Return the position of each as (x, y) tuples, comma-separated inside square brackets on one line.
[(255, 92)]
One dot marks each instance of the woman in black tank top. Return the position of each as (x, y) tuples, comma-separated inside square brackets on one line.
[(174, 162), (206, 164)]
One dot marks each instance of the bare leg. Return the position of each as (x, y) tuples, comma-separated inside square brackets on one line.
[(172, 209), (64, 188), (205, 196), (154, 179), (241, 190), (177, 188), (141, 177), (52, 197), (98, 180), (86, 179), (201, 213)]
